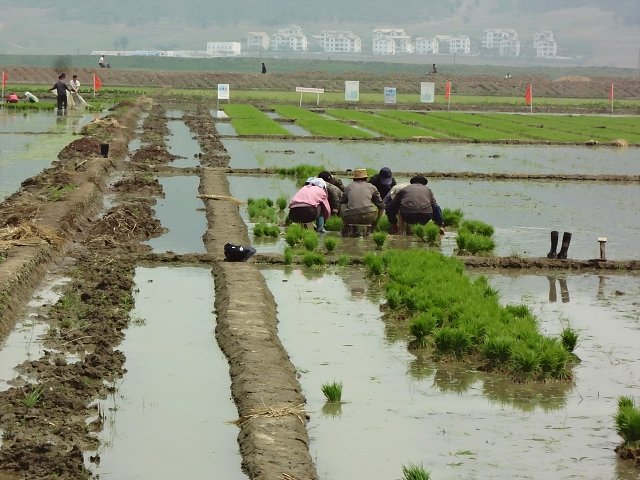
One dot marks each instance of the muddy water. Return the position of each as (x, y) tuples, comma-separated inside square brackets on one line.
[(181, 142), (24, 152), (181, 212), (436, 157), (169, 416), (226, 129), (522, 213), (458, 423)]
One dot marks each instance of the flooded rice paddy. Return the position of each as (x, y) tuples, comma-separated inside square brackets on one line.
[(400, 408), (435, 157), (169, 417), (522, 213)]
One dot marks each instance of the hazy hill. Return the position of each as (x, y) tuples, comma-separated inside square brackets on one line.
[(601, 32)]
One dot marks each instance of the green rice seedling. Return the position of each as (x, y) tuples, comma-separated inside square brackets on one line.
[(294, 234), (261, 209), (310, 240), (330, 244), (474, 243), (414, 472), (383, 225), (282, 202), (394, 298), (452, 218), (288, 255), (311, 259), (374, 263), (624, 401), (258, 229), (553, 358), (477, 227), (497, 348), (627, 420), (343, 260), (300, 172), (427, 233), (33, 397), (421, 327), (518, 311), (57, 193), (379, 238), (332, 391), (272, 231), (333, 224), (525, 360), (569, 339)]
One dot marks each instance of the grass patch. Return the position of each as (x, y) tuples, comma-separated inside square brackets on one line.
[(282, 202), (414, 472), (300, 172), (311, 259), (452, 218), (248, 120), (375, 122), (330, 244), (294, 234), (569, 339), (32, 398), (379, 238), (310, 240), (333, 224), (427, 233), (57, 193), (262, 210), (266, 230), (319, 125), (344, 260), (627, 420)]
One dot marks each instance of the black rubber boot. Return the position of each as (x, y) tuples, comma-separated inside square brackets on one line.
[(566, 241), (554, 244)]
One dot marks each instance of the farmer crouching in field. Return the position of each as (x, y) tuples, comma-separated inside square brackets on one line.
[(333, 192), (415, 204), (311, 204), (361, 202)]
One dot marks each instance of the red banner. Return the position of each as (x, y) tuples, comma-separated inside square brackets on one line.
[(447, 90), (528, 95), (97, 82), (5, 77), (611, 92)]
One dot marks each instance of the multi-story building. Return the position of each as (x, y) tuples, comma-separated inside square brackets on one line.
[(258, 41), (544, 44), (504, 41), (331, 41), (224, 48), (454, 44), (402, 41), (426, 45), (290, 38)]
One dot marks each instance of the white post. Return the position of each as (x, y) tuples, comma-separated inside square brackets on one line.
[(300, 98)]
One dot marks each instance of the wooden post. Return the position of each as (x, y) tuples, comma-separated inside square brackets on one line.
[(603, 242)]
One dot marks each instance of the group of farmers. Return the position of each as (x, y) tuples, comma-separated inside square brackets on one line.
[(364, 201)]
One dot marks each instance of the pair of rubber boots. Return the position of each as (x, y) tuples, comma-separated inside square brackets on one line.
[(566, 241)]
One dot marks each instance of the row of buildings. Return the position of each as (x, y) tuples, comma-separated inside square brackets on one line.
[(389, 41)]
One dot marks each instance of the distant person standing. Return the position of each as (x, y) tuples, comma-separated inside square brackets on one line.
[(264, 68), (434, 69), (101, 62), (75, 87), (61, 89)]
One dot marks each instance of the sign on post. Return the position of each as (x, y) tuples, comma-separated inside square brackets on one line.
[(427, 92), (317, 91), (352, 91), (223, 94), (389, 95)]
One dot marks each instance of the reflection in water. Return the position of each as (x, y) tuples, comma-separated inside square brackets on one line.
[(601, 285), (564, 290), (332, 409)]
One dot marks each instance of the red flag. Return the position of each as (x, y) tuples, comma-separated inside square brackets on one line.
[(97, 83), (447, 90), (5, 77), (528, 95), (611, 92)]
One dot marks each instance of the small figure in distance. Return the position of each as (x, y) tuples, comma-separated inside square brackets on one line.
[(264, 68), (434, 69), (507, 76), (102, 63), (12, 98), (31, 98)]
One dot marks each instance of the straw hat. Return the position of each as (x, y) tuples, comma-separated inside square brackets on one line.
[(359, 173)]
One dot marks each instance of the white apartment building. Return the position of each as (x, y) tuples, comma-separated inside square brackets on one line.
[(426, 45), (454, 44), (504, 41), (339, 42), (224, 48), (383, 46), (544, 44), (402, 41), (290, 38), (258, 41)]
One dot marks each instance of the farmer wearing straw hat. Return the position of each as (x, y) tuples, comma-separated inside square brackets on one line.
[(361, 203)]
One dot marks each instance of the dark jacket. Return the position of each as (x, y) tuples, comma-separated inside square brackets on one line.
[(383, 189), (415, 198)]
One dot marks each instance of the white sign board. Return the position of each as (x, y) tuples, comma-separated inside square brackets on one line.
[(352, 91), (389, 95), (223, 91), (427, 92)]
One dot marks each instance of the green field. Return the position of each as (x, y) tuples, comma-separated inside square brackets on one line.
[(316, 124)]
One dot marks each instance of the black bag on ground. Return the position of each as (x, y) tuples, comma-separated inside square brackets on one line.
[(237, 253)]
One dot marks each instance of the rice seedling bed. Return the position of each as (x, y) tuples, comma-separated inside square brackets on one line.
[(377, 123), (318, 124), (248, 120)]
